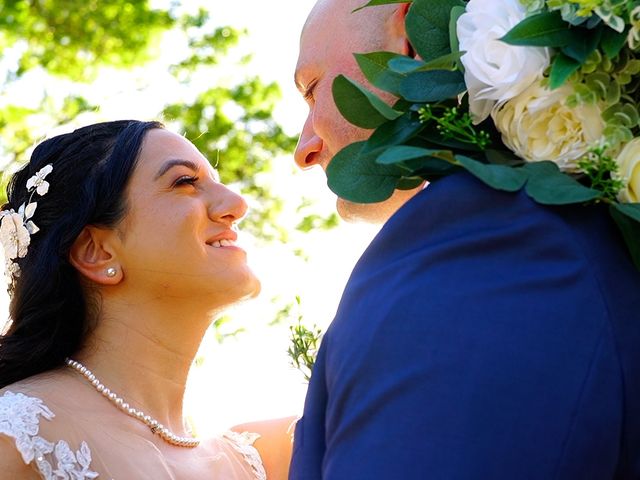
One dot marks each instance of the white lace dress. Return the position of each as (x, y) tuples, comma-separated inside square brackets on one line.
[(61, 451)]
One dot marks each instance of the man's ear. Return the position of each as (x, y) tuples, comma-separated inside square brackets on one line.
[(398, 31), (92, 254)]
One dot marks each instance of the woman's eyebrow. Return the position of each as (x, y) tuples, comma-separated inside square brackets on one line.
[(175, 163)]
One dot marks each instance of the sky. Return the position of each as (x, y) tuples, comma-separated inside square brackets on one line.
[(248, 377)]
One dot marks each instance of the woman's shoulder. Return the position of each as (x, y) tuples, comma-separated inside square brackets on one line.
[(21, 412), (273, 441), (12, 464), (28, 443), (21, 445)]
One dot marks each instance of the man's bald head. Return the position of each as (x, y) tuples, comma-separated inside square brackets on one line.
[(366, 26), (331, 36)]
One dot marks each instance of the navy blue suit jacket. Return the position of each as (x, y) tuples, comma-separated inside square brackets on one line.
[(480, 336)]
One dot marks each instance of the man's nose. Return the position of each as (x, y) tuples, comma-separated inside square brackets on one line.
[(309, 146)]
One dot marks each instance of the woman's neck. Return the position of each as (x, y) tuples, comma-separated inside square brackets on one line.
[(144, 353)]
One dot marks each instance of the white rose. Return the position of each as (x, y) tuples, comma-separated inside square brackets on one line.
[(538, 125), (629, 170), (494, 70)]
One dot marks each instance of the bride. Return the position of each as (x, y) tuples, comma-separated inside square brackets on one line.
[(121, 248)]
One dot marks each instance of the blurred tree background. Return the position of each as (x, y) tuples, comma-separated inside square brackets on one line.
[(68, 63), (56, 55)]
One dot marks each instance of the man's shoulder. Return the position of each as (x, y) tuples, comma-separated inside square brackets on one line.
[(461, 248), (461, 212)]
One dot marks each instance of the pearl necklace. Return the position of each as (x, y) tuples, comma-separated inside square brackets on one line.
[(156, 427)]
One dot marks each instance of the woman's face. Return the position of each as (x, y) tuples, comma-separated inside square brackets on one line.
[(178, 236)]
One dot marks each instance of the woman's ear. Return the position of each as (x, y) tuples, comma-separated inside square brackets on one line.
[(92, 254)]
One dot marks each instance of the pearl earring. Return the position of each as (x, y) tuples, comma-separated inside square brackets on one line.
[(111, 272)]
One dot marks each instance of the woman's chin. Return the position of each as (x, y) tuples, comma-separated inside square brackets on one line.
[(249, 287)]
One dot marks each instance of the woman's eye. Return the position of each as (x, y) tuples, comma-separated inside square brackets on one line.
[(186, 180)]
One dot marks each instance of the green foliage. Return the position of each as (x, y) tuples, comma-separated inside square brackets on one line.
[(427, 26), (304, 346), (601, 170), (374, 67), (562, 68), (500, 177), (206, 49), (547, 185), (627, 218), (225, 329), (543, 30), (315, 222), (73, 38), (356, 176), (432, 86), (359, 106), (454, 123)]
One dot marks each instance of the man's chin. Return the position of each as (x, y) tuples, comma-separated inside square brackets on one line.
[(374, 212)]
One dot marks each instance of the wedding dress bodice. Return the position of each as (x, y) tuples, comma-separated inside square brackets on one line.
[(83, 448)]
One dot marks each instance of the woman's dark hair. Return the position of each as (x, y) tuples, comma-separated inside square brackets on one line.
[(49, 310)]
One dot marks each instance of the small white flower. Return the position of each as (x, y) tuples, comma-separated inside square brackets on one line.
[(38, 182), (26, 213), (494, 70), (12, 269), (14, 236)]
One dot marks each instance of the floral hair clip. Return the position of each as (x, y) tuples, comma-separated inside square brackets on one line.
[(16, 228)]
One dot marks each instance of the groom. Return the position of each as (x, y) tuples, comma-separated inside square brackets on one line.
[(480, 336)]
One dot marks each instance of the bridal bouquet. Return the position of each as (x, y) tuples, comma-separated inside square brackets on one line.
[(540, 95)]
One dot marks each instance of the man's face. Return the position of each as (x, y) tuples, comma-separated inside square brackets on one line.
[(330, 38)]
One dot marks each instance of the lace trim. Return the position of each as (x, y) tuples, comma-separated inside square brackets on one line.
[(19, 419), (243, 444)]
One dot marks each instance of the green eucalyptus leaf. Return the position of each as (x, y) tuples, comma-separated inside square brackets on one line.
[(584, 46), (631, 210), (409, 183), (561, 69), (503, 157), (374, 3), (432, 86), (456, 13), (356, 176), (394, 132), (432, 168), (359, 106), (546, 29), (627, 218), (427, 26), (403, 64), (612, 42), (446, 62), (549, 186), (402, 153), (434, 137), (500, 177), (375, 69)]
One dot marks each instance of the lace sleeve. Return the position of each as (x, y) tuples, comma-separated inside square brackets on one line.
[(20, 420), (243, 444)]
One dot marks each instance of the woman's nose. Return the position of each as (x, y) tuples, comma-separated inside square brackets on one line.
[(227, 205)]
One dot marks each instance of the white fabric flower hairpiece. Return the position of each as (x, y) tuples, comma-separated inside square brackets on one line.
[(16, 228)]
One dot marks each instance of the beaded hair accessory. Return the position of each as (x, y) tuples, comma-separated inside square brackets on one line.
[(16, 228)]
